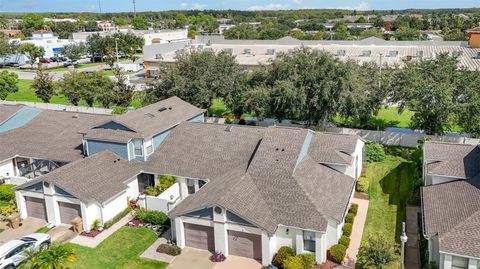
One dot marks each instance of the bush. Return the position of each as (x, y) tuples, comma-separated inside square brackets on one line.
[(347, 229), (118, 110), (228, 121), (354, 209), (6, 192), (217, 257), (377, 253), (151, 216), (282, 254), (374, 152), (95, 224), (171, 250), (153, 190), (9, 209), (252, 123), (362, 184), (166, 182), (293, 262), (308, 260), (344, 241), (349, 218), (242, 122), (337, 253), (118, 217)]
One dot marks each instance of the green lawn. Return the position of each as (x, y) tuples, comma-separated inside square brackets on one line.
[(80, 66), (120, 250), (391, 186), (387, 117)]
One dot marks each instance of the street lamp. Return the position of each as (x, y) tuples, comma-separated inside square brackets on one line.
[(403, 239), (116, 47)]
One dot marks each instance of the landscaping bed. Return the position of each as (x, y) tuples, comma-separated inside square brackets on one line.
[(153, 220)]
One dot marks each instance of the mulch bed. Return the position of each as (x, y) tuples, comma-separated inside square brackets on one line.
[(91, 233), (326, 265)]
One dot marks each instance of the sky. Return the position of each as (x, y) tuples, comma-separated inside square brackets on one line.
[(154, 5)]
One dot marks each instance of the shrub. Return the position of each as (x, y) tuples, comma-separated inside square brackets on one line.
[(242, 122), (252, 123), (354, 209), (347, 229), (374, 152), (95, 224), (153, 190), (293, 262), (228, 121), (6, 192), (9, 209), (344, 240), (166, 182), (118, 217), (377, 253), (337, 253), (151, 216), (308, 260), (217, 257), (282, 254), (349, 218), (171, 250), (362, 184), (118, 110)]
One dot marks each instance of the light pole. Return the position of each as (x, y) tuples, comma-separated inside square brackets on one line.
[(403, 239), (116, 47)]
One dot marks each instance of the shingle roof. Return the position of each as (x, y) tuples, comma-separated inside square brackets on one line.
[(456, 160), (96, 178), (147, 121), (258, 178), (51, 135), (6, 111), (451, 210), (332, 148)]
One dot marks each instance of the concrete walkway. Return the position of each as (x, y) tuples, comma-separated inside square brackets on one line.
[(62, 234), (29, 225), (412, 250), (236, 262), (357, 232), (192, 258), (95, 241)]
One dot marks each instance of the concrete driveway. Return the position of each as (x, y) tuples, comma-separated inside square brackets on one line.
[(236, 262), (200, 258), (29, 225)]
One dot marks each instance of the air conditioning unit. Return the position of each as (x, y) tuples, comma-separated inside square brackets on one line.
[(208, 49), (159, 56), (247, 51), (393, 53), (457, 53), (366, 53), (270, 51), (340, 53), (228, 50), (478, 55), (419, 54)]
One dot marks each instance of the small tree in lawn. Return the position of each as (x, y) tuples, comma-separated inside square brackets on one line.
[(32, 51), (377, 253), (8, 84), (74, 51), (122, 92), (44, 86), (71, 87)]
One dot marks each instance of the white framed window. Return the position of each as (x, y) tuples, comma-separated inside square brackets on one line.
[(309, 241), (137, 146), (149, 146), (191, 185), (459, 262)]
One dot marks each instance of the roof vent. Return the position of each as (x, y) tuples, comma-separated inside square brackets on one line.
[(150, 115), (75, 116), (169, 108), (228, 128), (162, 109)]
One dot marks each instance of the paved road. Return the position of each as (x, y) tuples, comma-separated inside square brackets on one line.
[(30, 74)]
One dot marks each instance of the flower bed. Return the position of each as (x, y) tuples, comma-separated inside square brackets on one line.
[(91, 233)]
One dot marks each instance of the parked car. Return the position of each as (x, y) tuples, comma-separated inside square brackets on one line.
[(12, 64), (45, 60), (69, 63), (96, 58), (57, 59), (63, 59), (12, 252)]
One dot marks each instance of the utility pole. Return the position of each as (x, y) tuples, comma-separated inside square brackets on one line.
[(134, 9), (116, 47), (100, 6)]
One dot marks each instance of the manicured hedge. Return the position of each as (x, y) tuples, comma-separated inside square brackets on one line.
[(293, 262), (282, 254), (354, 209), (337, 253), (344, 240), (362, 185), (349, 218), (374, 152), (6, 192), (347, 229), (152, 217), (308, 260), (171, 250)]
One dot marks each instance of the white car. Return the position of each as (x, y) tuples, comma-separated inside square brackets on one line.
[(12, 252)]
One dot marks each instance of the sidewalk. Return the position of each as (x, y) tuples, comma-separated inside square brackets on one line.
[(95, 241), (412, 249), (357, 232)]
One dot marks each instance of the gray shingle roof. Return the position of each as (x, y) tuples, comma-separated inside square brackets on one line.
[(147, 121), (332, 148), (96, 178), (456, 160), (6, 111), (51, 135)]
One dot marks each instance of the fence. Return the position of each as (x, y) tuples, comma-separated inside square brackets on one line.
[(60, 107), (165, 202)]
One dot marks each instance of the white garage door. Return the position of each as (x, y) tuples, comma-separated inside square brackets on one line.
[(36, 208), (68, 212)]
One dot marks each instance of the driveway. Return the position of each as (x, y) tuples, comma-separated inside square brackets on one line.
[(200, 258), (29, 225)]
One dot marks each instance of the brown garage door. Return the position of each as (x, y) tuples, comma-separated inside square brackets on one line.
[(198, 236), (36, 208), (245, 245), (68, 212)]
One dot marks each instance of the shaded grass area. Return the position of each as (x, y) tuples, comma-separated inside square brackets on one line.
[(392, 184), (120, 250), (387, 117)]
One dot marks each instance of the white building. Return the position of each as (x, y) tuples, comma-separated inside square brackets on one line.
[(50, 43)]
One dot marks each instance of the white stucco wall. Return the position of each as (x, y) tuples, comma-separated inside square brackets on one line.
[(90, 213), (453, 261), (132, 188), (6, 168), (114, 206)]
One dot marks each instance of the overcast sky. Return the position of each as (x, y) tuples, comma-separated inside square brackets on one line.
[(153, 5)]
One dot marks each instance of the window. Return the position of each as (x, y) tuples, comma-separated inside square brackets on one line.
[(309, 241), (137, 145), (190, 185), (459, 263)]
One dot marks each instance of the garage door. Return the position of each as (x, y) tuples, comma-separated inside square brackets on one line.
[(197, 236), (245, 245), (68, 212), (36, 208)]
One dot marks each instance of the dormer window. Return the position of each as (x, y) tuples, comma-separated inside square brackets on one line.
[(137, 145)]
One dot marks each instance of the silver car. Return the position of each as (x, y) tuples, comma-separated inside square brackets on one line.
[(12, 252)]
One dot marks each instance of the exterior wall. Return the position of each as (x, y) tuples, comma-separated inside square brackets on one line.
[(7, 169), (158, 139), (51, 46), (474, 40), (131, 149), (132, 188), (115, 126), (334, 231), (166, 201), (94, 146), (433, 251), (114, 206), (448, 261), (90, 212), (198, 118), (163, 37), (440, 179), (339, 167)]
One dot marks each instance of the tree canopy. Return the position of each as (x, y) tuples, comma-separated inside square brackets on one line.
[(8, 84)]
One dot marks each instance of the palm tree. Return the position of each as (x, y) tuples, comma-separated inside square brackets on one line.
[(55, 257), (29, 261)]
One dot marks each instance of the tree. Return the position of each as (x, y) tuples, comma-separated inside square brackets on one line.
[(371, 32), (257, 101), (129, 44), (74, 51), (377, 253), (33, 52), (139, 23), (181, 20), (286, 100), (468, 103), (454, 35), (341, 31), (122, 91), (8, 84), (242, 31), (89, 87), (55, 257), (407, 33), (31, 23), (6, 46), (271, 33), (64, 29), (200, 76), (43, 86), (71, 87), (120, 21), (96, 45)]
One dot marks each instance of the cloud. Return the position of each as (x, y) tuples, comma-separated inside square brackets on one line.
[(361, 6), (193, 5), (271, 6), (298, 2)]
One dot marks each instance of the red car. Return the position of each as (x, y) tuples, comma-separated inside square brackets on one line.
[(44, 61)]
